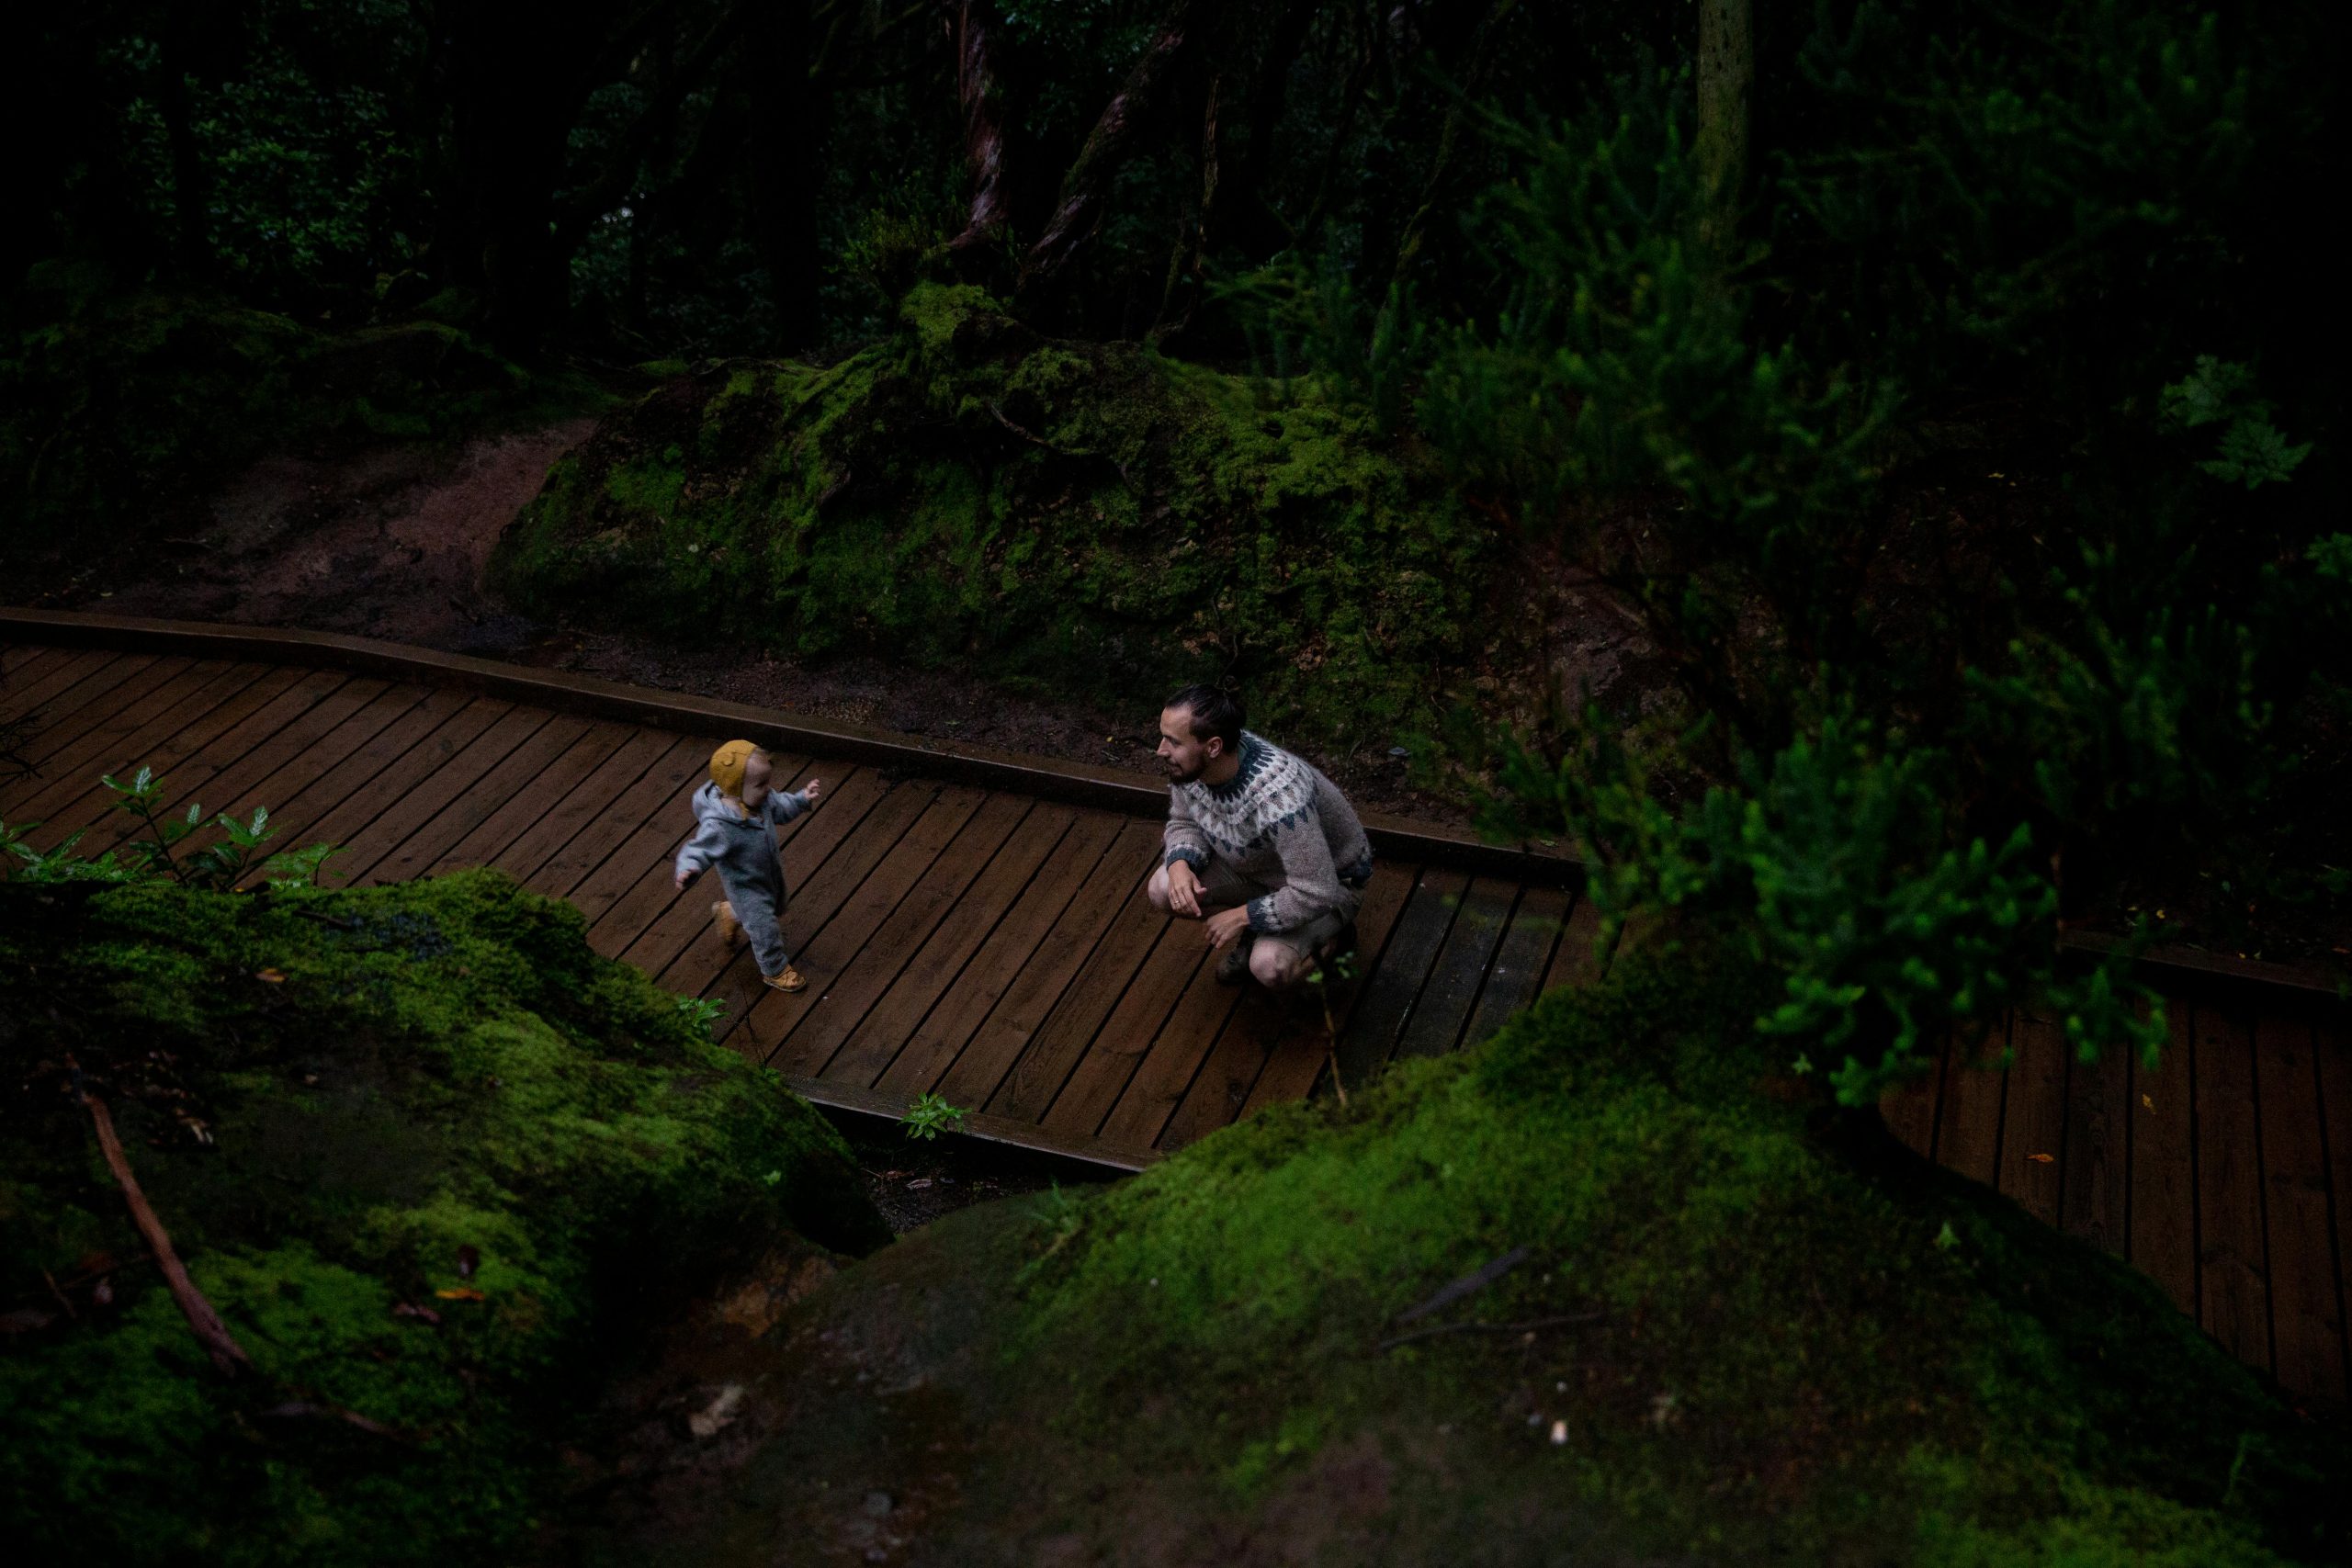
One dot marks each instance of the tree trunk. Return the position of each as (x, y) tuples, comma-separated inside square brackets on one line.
[(1726, 82), (1474, 77), (1086, 189), (976, 92), (191, 183), (786, 126)]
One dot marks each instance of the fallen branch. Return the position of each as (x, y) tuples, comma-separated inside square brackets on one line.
[(1470, 1284), (1531, 1325), (213, 1334)]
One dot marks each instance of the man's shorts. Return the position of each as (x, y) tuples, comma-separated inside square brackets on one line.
[(1222, 887)]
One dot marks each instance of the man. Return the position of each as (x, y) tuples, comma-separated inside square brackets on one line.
[(1260, 846)]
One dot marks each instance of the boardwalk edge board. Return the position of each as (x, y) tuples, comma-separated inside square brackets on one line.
[(1069, 782), (1074, 784)]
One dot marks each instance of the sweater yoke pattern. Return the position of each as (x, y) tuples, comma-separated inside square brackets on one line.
[(1272, 790)]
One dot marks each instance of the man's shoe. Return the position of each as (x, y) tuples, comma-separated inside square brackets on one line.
[(731, 930), (1233, 968), (790, 980)]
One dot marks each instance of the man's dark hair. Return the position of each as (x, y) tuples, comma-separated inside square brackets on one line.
[(1215, 712)]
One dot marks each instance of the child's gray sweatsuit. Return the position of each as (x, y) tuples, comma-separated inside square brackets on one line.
[(751, 866)]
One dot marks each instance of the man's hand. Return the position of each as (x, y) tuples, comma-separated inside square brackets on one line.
[(1183, 889), (1227, 924), (816, 787), (686, 879)]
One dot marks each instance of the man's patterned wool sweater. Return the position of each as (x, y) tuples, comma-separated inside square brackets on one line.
[(1280, 823)]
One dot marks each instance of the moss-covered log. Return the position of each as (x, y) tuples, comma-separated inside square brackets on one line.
[(1087, 516), (436, 1165)]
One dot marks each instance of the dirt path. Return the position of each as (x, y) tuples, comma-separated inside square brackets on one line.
[(393, 543)]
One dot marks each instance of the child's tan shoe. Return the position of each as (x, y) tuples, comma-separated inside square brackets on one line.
[(790, 980), (731, 930)]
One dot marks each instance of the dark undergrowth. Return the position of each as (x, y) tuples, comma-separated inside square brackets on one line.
[(1084, 519), (436, 1165)]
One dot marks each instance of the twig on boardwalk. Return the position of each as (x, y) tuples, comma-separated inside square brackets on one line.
[(213, 1334), (1531, 1325)]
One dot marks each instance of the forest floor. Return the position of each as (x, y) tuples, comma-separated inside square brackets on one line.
[(392, 541)]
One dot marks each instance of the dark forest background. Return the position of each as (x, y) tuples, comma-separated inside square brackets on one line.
[(1952, 391)]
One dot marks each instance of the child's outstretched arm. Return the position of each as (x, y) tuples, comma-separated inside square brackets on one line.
[(783, 807), (697, 852)]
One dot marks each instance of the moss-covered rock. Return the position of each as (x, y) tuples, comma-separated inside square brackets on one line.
[(1087, 516), (1742, 1331), (436, 1163)]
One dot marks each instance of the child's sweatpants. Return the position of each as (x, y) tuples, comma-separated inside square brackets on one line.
[(756, 911)]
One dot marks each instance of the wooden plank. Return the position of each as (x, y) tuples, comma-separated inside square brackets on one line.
[(68, 756), (1909, 1110), (1395, 984), (1150, 1046), (2096, 1205), (1577, 961), (224, 767), (170, 758), (79, 698), (404, 756), (2332, 1057), (17, 658), (56, 690), (2163, 1162), (814, 1026), (984, 1029), (1521, 961), (570, 812), (301, 768), (1969, 1138), (514, 775), (127, 740), (2233, 1266), (833, 847), (669, 779), (577, 779), (648, 855), (2033, 1134), (1101, 1064), (459, 774), (863, 880), (1294, 1069), (870, 1050), (1438, 1018), (385, 730), (1058, 1047), (1175, 1059), (984, 1125), (2306, 1315)]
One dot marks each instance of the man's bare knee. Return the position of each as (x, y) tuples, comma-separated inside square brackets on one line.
[(1156, 890), (1277, 968)]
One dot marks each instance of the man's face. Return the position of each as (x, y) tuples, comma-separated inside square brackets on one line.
[(757, 770), (1181, 755)]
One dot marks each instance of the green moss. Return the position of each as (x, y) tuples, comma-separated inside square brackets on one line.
[(1748, 1342), (436, 1087), (1087, 517)]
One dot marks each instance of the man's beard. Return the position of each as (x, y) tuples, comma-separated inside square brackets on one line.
[(1174, 776)]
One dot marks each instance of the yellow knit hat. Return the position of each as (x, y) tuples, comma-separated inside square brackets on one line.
[(726, 766)]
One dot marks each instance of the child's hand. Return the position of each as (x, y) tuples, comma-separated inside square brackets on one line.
[(816, 787), (685, 879)]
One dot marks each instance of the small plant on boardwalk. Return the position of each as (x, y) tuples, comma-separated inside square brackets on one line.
[(157, 857), (931, 1114), (1337, 970), (700, 1011)]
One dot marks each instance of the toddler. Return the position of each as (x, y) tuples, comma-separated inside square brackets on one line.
[(735, 818)]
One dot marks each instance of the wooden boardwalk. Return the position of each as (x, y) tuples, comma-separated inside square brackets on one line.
[(976, 927)]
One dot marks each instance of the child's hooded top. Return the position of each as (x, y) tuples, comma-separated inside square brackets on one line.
[(740, 843)]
